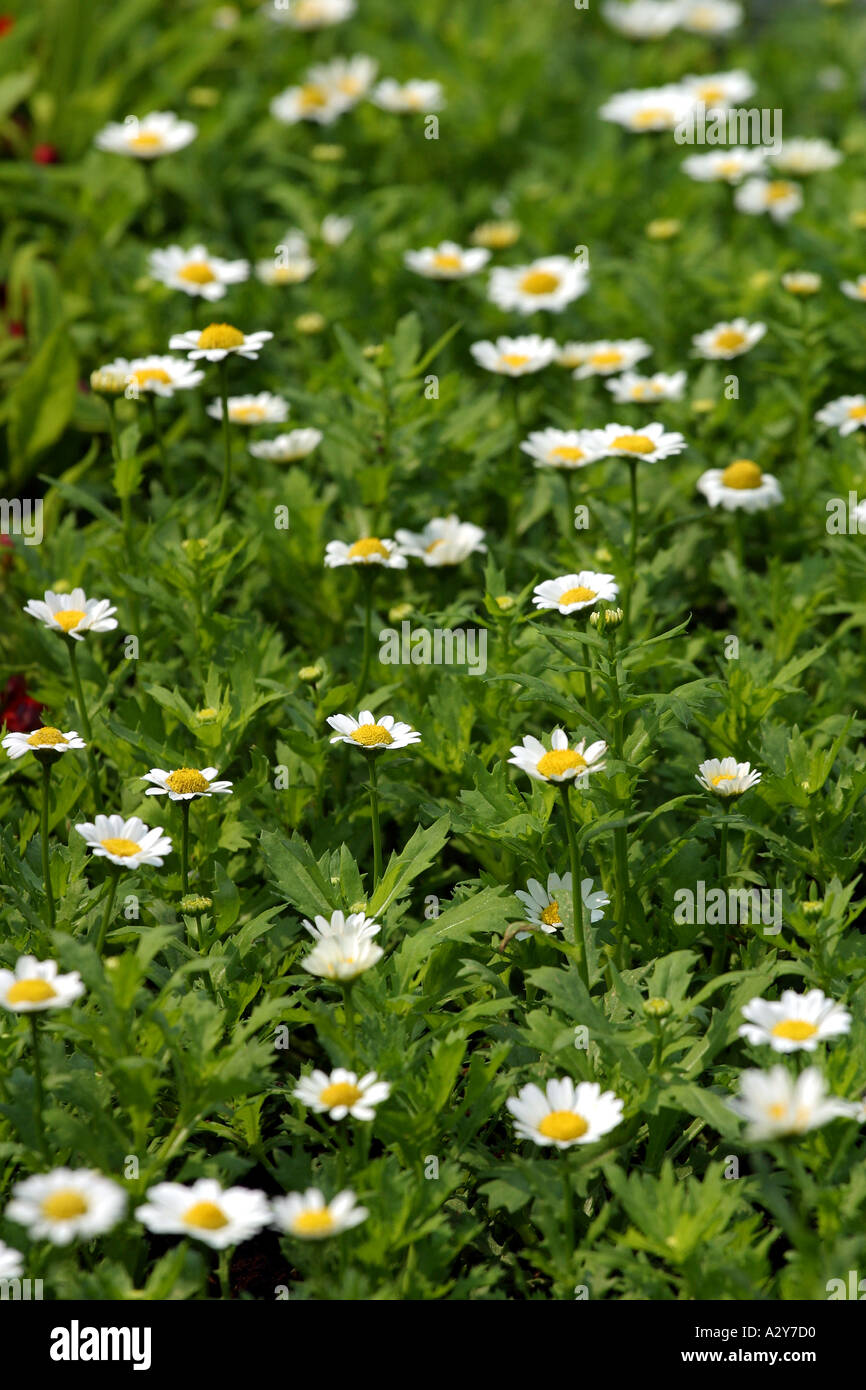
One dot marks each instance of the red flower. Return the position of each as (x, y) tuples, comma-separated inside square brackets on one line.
[(7, 24), (18, 711), (45, 154)]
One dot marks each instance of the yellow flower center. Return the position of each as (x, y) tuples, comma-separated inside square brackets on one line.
[(710, 94), (777, 1111), (539, 282), (288, 274), (371, 735), (340, 1093), (742, 474), (514, 359), (121, 847), (730, 338), (563, 1124), (68, 618), (653, 115), (206, 1215), (313, 97), (606, 357), (434, 545), (857, 412), (560, 760), (579, 595), (46, 738), (350, 85), (366, 547), (723, 777), (778, 190), (145, 140), (728, 167), (246, 412), (64, 1205), (220, 335), (634, 443), (30, 992), (794, 1029), (145, 375), (550, 916), (186, 780), (446, 260), (569, 453), (197, 272), (498, 236), (314, 1223)]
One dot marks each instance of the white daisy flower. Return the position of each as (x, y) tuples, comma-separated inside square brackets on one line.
[(219, 340), (726, 340), (285, 448), (775, 1103), (559, 763), (720, 90), (778, 197), (654, 108), (649, 443), (551, 282), (157, 375), (727, 777), (147, 138), (794, 1023), (34, 986), (185, 784), (710, 16), (293, 271), (341, 1093), (402, 98), (128, 843), (66, 1204), (604, 358), (515, 356), (73, 613), (445, 540), (632, 388), (573, 592), (11, 1262), (263, 409), (725, 166), (847, 414), (564, 1113), (196, 271), (806, 157), (642, 19), (351, 78), (740, 487), (308, 1216), (335, 229), (368, 732), (803, 282), (552, 448), (341, 924), (542, 905), (342, 958), (855, 289), (369, 550), (44, 740), (311, 14), (447, 261), (206, 1211)]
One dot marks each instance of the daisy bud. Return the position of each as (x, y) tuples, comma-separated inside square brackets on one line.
[(203, 96), (327, 154), (663, 229), (496, 236), (107, 383), (309, 324), (505, 602), (607, 618), (399, 612), (657, 1007), (195, 549), (813, 908), (310, 674), (373, 349), (194, 905), (206, 716)]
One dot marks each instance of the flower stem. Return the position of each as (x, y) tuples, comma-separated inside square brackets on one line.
[(719, 948), (184, 846), (38, 1090), (223, 1272), (156, 431), (632, 547), (109, 908), (576, 867), (349, 1011), (374, 815), (620, 834), (227, 442), (86, 728), (46, 869)]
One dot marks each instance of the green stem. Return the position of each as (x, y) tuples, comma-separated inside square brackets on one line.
[(112, 425), (567, 1204), (86, 728), (227, 442), (223, 1272), (632, 547), (156, 431), (719, 948), (38, 1089), (374, 815), (46, 870), (349, 1011), (184, 845), (576, 867), (109, 908), (367, 582), (620, 834)]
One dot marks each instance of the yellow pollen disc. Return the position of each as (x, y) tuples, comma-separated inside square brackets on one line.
[(314, 1223), (313, 97), (728, 167), (608, 357), (366, 547), (434, 545), (446, 260), (710, 94), (64, 1205), (579, 595), (287, 274), (634, 443), (653, 115), (569, 453), (246, 412), (563, 1124), (539, 282), (560, 760), (341, 1093), (197, 272), (206, 1215), (68, 618), (857, 412), (147, 374), (742, 474), (550, 916), (145, 141), (730, 338), (777, 1111), (46, 738), (371, 735), (514, 359), (30, 992), (121, 847), (794, 1029), (723, 777), (778, 190), (220, 335), (350, 85), (186, 780)]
